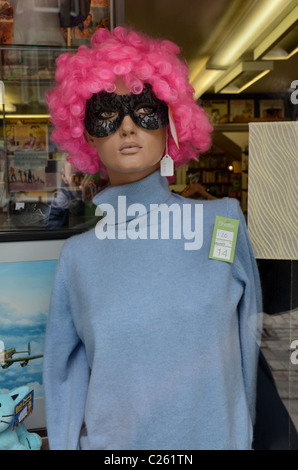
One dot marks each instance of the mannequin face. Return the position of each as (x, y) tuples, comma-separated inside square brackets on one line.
[(131, 152)]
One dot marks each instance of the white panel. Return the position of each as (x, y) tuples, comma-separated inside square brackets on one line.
[(40, 250), (273, 189)]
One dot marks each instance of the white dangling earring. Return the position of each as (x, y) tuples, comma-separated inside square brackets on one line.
[(167, 163)]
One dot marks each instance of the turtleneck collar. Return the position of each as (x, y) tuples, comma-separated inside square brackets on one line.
[(154, 189)]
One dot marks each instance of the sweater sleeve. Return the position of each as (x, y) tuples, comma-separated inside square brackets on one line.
[(65, 371), (250, 306)]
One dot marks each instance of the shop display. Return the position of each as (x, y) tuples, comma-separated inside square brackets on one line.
[(31, 168), (170, 337), (35, 177)]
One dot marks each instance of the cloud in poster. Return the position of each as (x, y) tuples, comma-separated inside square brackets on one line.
[(26, 287), (17, 325)]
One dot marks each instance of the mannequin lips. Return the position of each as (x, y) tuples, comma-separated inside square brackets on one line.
[(129, 147)]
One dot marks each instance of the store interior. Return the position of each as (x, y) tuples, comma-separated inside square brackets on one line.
[(219, 41), (243, 66)]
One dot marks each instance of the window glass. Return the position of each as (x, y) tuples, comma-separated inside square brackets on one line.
[(39, 191)]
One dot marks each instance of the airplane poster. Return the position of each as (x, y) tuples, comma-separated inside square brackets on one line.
[(25, 290)]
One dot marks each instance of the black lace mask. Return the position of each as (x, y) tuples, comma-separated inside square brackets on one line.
[(105, 111)]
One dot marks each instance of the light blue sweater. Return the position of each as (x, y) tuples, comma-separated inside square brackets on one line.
[(149, 344)]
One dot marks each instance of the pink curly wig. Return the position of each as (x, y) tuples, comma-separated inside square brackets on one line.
[(137, 59)]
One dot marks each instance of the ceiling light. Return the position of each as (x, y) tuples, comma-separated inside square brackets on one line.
[(240, 77), (282, 42), (258, 17)]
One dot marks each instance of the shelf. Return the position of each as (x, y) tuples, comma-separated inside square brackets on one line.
[(243, 126), (215, 183), (207, 168), (231, 127), (29, 65), (27, 81), (32, 47)]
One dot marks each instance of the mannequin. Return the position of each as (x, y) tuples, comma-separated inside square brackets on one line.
[(150, 343)]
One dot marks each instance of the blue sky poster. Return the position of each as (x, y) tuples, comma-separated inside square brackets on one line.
[(25, 291)]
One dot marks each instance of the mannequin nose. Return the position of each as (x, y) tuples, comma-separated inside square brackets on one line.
[(127, 127)]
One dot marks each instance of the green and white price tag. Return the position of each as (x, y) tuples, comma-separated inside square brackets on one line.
[(224, 239)]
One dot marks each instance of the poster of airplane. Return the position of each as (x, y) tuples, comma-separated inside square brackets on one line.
[(25, 290)]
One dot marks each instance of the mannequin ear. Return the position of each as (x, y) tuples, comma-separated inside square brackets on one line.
[(89, 139)]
